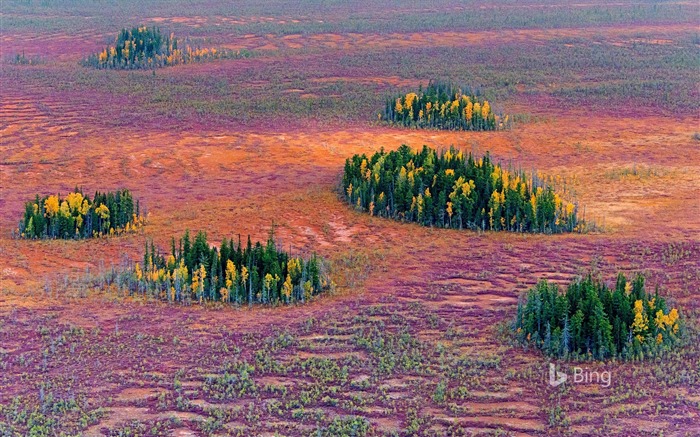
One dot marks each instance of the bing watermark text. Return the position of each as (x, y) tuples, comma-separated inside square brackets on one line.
[(579, 376)]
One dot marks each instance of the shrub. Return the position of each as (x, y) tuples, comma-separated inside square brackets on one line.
[(347, 426)]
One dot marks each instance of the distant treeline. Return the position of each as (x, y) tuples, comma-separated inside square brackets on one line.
[(143, 47), (449, 189), (443, 106), (76, 216), (592, 320), (195, 271)]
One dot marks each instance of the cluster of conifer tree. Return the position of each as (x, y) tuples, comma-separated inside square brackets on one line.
[(76, 216), (194, 271), (443, 106), (144, 47), (450, 189), (592, 320)]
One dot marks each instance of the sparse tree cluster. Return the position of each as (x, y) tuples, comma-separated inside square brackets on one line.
[(77, 216), (194, 271), (443, 106), (592, 320), (449, 189), (146, 48)]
